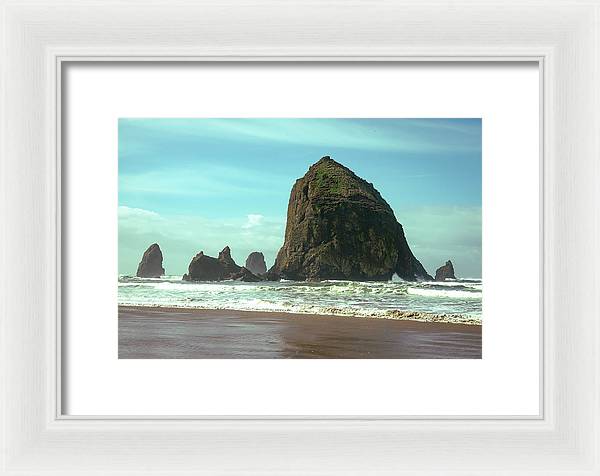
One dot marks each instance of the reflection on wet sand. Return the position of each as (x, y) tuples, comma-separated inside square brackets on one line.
[(161, 333)]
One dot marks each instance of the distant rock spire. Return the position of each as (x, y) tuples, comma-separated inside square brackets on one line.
[(256, 263), (151, 264), (445, 272)]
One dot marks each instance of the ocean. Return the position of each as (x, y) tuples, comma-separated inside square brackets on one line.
[(457, 301)]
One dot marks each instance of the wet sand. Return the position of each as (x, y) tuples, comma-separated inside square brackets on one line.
[(170, 333)]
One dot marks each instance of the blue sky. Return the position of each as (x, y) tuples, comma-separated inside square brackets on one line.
[(201, 184)]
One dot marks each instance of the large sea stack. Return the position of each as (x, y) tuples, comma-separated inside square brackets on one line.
[(339, 227), (445, 272), (151, 264), (207, 268), (256, 263)]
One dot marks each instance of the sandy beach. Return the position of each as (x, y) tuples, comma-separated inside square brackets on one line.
[(175, 333)]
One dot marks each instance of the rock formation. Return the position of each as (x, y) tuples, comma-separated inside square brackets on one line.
[(229, 266), (207, 268), (446, 271), (244, 274), (256, 263), (151, 264), (339, 227), (204, 268)]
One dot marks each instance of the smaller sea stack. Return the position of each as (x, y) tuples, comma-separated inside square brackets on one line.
[(229, 266), (244, 274), (256, 263), (151, 264), (445, 272), (207, 268), (204, 268)]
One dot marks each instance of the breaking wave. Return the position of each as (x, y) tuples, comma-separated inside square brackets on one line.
[(450, 301)]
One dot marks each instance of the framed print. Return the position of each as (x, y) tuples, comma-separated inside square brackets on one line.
[(351, 238), (244, 179)]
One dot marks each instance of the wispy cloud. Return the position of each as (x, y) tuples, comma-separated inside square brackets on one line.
[(131, 213), (209, 181), (375, 135)]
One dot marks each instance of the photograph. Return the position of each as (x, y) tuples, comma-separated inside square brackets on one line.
[(266, 238)]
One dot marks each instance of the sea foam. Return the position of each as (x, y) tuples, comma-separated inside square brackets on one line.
[(454, 301)]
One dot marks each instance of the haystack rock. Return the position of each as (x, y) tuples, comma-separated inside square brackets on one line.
[(339, 227), (445, 272), (256, 263), (207, 268), (151, 264)]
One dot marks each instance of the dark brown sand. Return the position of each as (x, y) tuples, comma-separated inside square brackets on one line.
[(169, 333)]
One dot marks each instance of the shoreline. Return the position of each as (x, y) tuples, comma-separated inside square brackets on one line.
[(186, 333), (395, 315)]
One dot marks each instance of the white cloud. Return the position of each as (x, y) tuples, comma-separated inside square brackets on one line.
[(253, 220)]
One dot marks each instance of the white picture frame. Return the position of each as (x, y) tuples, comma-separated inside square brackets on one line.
[(563, 37)]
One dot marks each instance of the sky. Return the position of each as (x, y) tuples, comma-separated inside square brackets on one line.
[(195, 185)]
